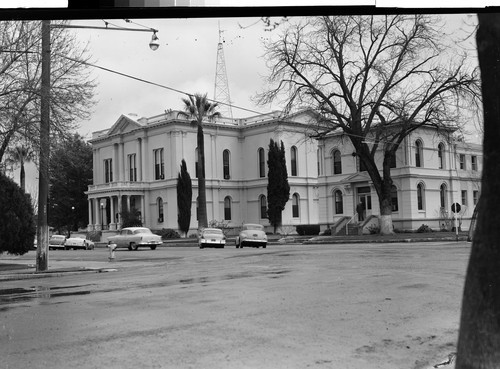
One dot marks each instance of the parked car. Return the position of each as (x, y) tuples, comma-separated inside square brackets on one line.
[(211, 237), (252, 235), (78, 243), (57, 241), (135, 237)]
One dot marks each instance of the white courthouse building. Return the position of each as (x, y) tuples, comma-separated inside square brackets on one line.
[(137, 160)]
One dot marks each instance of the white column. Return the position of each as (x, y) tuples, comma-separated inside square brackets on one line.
[(139, 160), (90, 226), (144, 161), (128, 202), (112, 224), (121, 164)]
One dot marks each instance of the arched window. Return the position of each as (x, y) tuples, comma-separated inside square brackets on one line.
[(442, 195), (295, 205), (263, 207), (293, 160), (419, 155), (196, 162), (441, 156), (337, 162), (420, 196), (225, 164), (339, 202), (227, 208), (394, 198), (262, 162), (159, 206)]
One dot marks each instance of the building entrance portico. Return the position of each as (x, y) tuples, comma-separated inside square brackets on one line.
[(105, 212)]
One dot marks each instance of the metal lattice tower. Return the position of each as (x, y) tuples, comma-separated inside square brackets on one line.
[(221, 90)]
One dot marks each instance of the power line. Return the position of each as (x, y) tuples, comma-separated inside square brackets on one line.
[(154, 83)]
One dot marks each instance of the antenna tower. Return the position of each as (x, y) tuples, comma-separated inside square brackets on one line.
[(221, 90)]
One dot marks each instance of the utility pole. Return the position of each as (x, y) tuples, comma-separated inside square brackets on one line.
[(42, 233), (42, 259)]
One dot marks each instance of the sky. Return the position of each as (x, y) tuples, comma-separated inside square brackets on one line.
[(185, 61)]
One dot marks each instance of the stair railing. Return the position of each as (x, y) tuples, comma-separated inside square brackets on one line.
[(347, 224)]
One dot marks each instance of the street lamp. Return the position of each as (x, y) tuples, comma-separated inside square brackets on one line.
[(43, 178)]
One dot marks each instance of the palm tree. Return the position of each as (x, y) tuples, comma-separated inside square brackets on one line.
[(197, 107), (20, 154)]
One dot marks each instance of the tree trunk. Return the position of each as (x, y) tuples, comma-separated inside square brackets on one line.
[(202, 193), (479, 337), (385, 196), (23, 176)]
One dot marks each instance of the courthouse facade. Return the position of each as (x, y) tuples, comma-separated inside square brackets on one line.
[(136, 163)]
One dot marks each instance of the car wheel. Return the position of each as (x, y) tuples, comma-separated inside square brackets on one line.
[(153, 247), (130, 247), (265, 245), (133, 246)]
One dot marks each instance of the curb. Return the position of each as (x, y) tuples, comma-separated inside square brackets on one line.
[(53, 273)]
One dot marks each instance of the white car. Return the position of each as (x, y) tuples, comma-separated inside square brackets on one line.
[(252, 235), (78, 243), (57, 242), (211, 237), (134, 237)]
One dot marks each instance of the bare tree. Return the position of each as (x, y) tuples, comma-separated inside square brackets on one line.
[(376, 78), (20, 82)]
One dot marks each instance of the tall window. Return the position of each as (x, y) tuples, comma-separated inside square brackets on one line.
[(419, 154), (159, 164), (420, 196), (295, 205), (442, 195), (475, 197), (197, 209), (263, 207), (462, 162), (132, 169), (337, 162), (108, 170), (339, 203), (441, 155), (464, 197), (196, 162), (473, 162), (225, 164), (394, 198), (227, 208), (159, 205), (293, 158), (262, 162), (319, 154)]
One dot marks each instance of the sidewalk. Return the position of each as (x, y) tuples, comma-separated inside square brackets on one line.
[(13, 269)]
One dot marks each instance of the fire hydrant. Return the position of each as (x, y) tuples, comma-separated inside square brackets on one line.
[(112, 247)]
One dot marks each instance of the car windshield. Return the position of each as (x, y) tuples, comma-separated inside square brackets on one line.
[(252, 227), (213, 231), (142, 230), (57, 237)]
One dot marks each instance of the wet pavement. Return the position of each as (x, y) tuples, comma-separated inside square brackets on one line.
[(335, 306)]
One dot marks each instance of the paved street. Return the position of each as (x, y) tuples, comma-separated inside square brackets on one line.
[(288, 306)]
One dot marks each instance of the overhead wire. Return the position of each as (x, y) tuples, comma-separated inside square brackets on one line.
[(155, 84)]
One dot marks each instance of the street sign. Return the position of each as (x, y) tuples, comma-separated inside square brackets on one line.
[(455, 207)]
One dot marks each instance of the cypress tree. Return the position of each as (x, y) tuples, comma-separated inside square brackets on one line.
[(278, 189), (184, 198)]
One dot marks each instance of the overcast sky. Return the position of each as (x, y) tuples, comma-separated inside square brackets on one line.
[(185, 61)]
